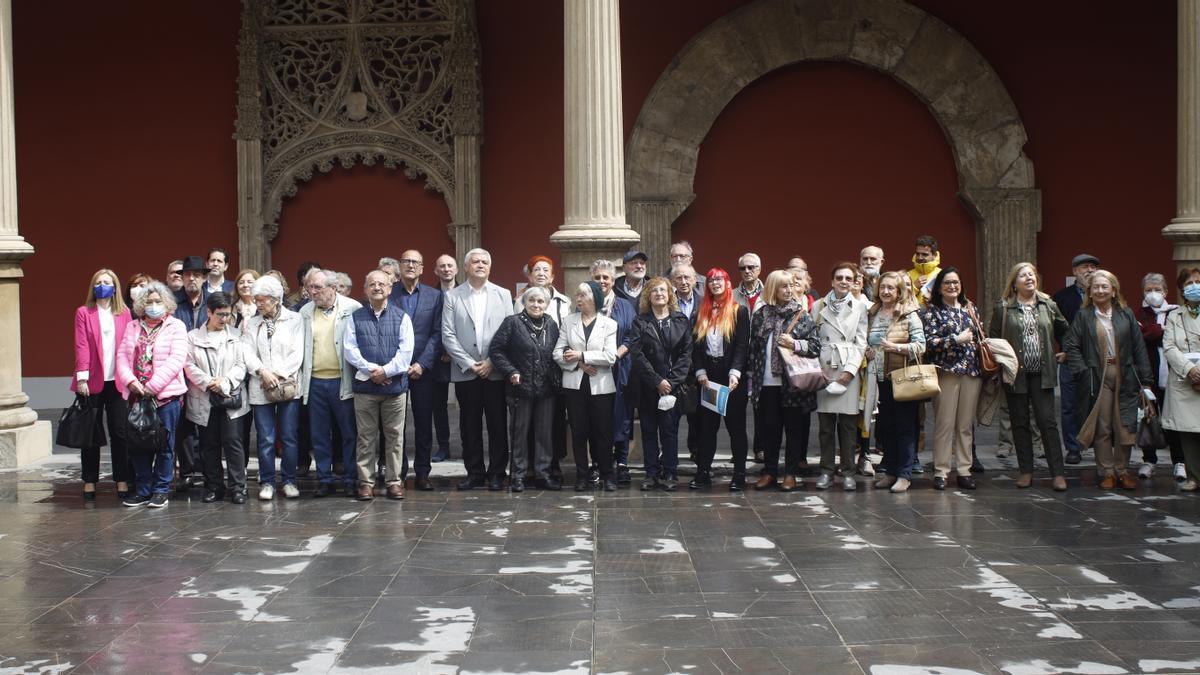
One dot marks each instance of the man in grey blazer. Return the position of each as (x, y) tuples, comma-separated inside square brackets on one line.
[(326, 380), (470, 317)]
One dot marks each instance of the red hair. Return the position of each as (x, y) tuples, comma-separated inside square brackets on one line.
[(719, 313), (537, 259)]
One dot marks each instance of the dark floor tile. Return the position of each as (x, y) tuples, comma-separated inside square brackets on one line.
[(649, 606), (750, 581), (922, 629), (759, 605), (612, 636), (713, 661), (439, 584), (338, 586), (672, 583), (792, 631), (521, 609), (1053, 657), (535, 635), (853, 579), (921, 658)]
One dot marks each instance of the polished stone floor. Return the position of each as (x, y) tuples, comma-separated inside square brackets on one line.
[(995, 580)]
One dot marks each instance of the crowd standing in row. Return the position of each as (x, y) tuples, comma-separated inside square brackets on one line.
[(319, 372)]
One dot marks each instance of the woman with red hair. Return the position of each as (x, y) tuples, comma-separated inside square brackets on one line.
[(722, 338)]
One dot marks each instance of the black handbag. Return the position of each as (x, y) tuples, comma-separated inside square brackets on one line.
[(79, 426), (145, 433), (219, 400), (1150, 434)]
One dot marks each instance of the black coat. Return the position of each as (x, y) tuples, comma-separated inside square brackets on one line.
[(658, 356), (514, 350), (1069, 301), (735, 351), (1085, 359)]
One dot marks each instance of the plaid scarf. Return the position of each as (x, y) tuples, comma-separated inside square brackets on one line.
[(775, 322)]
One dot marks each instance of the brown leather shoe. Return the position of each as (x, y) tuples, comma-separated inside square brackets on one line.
[(765, 481), (366, 492), (1108, 482), (395, 491), (788, 484), (1128, 482), (1060, 483), (1025, 480)]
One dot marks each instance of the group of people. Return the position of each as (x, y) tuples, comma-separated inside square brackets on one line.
[(318, 370)]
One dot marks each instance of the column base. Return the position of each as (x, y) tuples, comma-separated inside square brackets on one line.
[(580, 247), (25, 445), (1184, 233)]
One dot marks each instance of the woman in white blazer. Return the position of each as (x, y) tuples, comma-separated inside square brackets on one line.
[(273, 343), (586, 351)]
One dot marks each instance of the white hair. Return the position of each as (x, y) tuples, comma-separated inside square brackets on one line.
[(474, 252), (164, 294), (388, 262), (757, 260), (603, 264), (683, 267), (535, 290), (269, 286), (684, 243), (1154, 278)]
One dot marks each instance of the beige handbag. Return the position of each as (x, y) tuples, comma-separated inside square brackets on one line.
[(915, 381)]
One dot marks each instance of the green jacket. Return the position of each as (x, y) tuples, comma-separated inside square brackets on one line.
[(1052, 327), (1084, 358)]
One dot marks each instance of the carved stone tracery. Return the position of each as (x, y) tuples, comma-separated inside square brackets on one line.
[(354, 81)]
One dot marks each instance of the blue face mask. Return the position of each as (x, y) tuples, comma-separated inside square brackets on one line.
[(1191, 293), (104, 291), (156, 311)]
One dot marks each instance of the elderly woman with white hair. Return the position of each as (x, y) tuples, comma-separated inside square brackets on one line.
[(523, 351), (1152, 316), (150, 363), (273, 342)]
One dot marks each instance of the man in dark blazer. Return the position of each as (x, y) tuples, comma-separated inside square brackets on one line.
[(192, 309), (423, 305), (1069, 300)]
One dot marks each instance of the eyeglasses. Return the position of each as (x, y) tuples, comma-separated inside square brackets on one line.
[(843, 278), (951, 282), (222, 315), (680, 256), (747, 268), (412, 261)]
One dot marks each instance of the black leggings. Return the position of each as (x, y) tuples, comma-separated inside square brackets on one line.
[(114, 408), (591, 423)]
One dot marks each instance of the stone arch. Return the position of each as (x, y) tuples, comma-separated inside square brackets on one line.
[(934, 62)]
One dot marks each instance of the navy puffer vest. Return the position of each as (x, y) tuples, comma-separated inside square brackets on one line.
[(378, 339)]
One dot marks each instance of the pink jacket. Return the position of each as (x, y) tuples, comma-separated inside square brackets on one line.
[(89, 345), (170, 354)]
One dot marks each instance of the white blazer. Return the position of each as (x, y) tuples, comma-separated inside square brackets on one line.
[(599, 350), (282, 355)]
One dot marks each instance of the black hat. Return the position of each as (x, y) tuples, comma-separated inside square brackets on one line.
[(194, 263), (634, 254), (1085, 258)]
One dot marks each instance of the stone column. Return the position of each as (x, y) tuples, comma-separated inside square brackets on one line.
[(23, 439), (1184, 229), (594, 225), (1008, 222)]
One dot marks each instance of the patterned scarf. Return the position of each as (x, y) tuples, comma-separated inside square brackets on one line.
[(270, 324), (143, 352), (775, 322)]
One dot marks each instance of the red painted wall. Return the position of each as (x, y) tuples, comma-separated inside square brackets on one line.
[(820, 158)]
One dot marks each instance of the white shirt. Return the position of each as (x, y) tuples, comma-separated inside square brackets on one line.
[(715, 343), (108, 343), (770, 380), (478, 309)]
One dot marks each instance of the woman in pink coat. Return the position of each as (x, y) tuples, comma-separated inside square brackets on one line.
[(150, 363), (99, 327)]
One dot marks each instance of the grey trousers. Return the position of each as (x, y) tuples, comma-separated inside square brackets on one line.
[(839, 437), (526, 415)]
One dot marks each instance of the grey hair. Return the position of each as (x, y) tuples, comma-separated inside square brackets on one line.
[(388, 262), (474, 252), (676, 269), (344, 281), (269, 286), (603, 264), (748, 254), (1154, 278), (535, 290), (325, 274), (684, 243), (165, 294)]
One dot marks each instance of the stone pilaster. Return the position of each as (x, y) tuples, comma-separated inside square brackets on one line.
[(1184, 229), (465, 229), (23, 439), (652, 219), (1008, 222), (594, 224)]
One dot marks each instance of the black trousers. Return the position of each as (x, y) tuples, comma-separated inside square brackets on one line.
[(591, 425), (480, 400), (421, 396), (557, 438), (773, 419), (531, 422), (1022, 429), (441, 413), (187, 445), (735, 426), (116, 411), (1174, 442), (223, 436)]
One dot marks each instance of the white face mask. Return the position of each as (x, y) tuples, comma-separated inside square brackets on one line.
[(1155, 299), (136, 292)]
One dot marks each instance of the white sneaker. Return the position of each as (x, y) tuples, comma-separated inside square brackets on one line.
[(1180, 472), (290, 491), (901, 485), (1147, 471), (267, 492), (866, 468)]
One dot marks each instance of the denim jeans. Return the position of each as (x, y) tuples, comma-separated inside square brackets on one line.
[(325, 409), (659, 426), (283, 419), (153, 473), (898, 424)]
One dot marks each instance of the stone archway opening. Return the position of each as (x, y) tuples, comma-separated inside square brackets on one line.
[(934, 62)]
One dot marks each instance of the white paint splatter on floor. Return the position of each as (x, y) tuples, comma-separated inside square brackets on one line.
[(785, 578), (889, 669), (757, 542), (251, 599), (665, 546), (567, 567), (1112, 601), (198, 658), (1058, 629), (346, 517), (580, 667), (312, 546), (42, 667), (500, 532), (322, 660), (1154, 556), (1094, 576), (446, 629), (1159, 665), (1044, 667), (1184, 603), (579, 544), (573, 584)]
